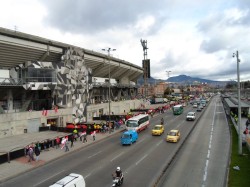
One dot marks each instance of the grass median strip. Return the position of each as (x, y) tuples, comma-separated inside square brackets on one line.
[(241, 177)]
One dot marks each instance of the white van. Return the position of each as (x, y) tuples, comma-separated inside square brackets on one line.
[(71, 180)]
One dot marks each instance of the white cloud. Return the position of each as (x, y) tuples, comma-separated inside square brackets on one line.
[(192, 38)]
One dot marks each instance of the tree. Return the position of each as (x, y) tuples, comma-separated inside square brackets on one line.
[(231, 85), (167, 91)]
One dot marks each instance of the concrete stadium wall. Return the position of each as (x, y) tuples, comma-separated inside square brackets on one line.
[(28, 122), (18, 123), (117, 108)]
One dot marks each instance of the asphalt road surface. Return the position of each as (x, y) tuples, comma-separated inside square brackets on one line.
[(142, 162), (203, 160)]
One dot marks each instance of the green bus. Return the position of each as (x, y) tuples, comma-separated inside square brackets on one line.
[(177, 109)]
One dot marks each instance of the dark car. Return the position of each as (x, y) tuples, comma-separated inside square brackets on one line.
[(199, 109)]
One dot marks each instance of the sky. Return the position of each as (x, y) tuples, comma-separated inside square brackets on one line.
[(196, 38)]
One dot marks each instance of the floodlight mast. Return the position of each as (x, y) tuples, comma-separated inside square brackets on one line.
[(145, 67), (144, 46)]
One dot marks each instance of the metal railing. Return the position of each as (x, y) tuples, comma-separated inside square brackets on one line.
[(10, 82), (20, 82), (119, 85), (40, 79)]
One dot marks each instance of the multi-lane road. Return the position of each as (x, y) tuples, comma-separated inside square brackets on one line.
[(203, 160), (200, 160)]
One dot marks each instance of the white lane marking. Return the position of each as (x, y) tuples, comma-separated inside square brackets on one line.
[(205, 176), (209, 148), (116, 156), (87, 175), (95, 154), (141, 159), (208, 154), (49, 178), (205, 171), (159, 143), (141, 140), (207, 162), (174, 118), (180, 124)]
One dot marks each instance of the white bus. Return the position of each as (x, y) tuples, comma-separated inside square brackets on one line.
[(138, 123)]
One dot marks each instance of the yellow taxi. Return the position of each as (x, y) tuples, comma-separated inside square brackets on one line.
[(173, 136), (158, 130)]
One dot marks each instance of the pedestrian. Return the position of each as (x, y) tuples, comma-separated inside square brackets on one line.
[(246, 131), (80, 136), (66, 144), (47, 144), (38, 145), (27, 151), (116, 124), (44, 144), (104, 128), (63, 142), (110, 127), (31, 154), (84, 137), (37, 153), (75, 133), (57, 142), (162, 121), (72, 138), (248, 122), (113, 126), (93, 135)]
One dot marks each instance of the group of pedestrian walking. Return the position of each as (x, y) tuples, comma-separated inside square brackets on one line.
[(32, 150), (35, 148)]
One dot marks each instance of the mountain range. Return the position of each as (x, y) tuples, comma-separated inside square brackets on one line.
[(183, 80)]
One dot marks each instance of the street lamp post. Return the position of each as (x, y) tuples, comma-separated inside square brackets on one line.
[(108, 50), (239, 103), (168, 73)]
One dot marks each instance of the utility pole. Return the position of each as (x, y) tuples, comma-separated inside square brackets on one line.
[(108, 50), (239, 103)]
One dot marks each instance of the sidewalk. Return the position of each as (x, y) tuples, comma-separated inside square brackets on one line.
[(21, 165)]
